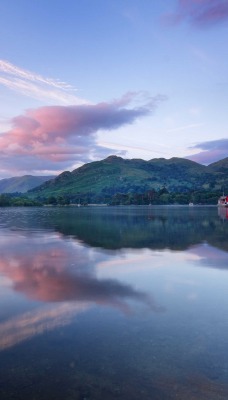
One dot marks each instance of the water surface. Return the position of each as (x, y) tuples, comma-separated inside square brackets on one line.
[(114, 303)]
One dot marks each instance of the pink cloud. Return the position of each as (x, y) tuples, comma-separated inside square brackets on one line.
[(58, 136), (212, 151), (200, 13)]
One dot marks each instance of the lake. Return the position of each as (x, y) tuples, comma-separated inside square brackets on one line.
[(114, 303)]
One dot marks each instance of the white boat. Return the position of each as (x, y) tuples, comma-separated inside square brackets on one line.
[(223, 201)]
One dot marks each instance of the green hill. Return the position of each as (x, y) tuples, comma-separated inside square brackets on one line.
[(22, 184), (220, 166), (117, 175)]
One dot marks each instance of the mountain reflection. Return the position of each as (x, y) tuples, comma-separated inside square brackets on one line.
[(114, 228), (155, 228), (53, 270)]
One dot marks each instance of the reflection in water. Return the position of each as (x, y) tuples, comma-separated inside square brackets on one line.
[(60, 266), (155, 228), (223, 212), (209, 256), (59, 271), (111, 228), (30, 324)]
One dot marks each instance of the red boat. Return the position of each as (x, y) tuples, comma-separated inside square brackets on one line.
[(223, 201)]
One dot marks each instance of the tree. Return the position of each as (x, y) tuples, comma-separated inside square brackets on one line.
[(51, 200), (5, 200)]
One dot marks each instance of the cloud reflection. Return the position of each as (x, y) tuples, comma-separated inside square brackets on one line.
[(209, 256), (59, 271), (30, 324)]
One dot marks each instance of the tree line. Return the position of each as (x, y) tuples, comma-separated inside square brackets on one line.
[(153, 197)]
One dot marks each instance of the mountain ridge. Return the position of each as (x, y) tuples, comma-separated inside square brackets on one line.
[(115, 174), (23, 183)]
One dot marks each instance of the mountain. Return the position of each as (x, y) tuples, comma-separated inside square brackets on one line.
[(22, 183), (220, 166), (117, 175)]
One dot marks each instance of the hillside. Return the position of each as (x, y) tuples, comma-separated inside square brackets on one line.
[(22, 184), (117, 175), (220, 166)]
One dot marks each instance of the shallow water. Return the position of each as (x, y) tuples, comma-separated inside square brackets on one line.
[(114, 303)]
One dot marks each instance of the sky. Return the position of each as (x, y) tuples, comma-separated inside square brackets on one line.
[(84, 79)]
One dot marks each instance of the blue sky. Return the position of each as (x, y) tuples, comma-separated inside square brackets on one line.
[(83, 79)]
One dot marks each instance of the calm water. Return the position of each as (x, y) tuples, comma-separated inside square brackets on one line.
[(114, 303)]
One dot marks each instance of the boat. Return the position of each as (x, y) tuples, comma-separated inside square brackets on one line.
[(191, 204), (223, 201)]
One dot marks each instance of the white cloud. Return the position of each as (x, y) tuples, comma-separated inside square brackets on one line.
[(36, 86)]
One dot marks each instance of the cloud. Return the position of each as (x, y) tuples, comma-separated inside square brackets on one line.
[(213, 150), (56, 137), (185, 127), (199, 13), (36, 86)]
